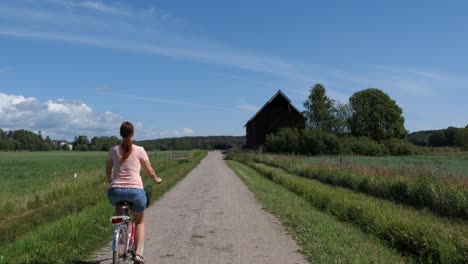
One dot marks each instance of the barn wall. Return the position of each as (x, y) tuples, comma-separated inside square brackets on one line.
[(277, 114)]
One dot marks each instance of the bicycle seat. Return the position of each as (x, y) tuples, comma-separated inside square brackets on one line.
[(123, 203)]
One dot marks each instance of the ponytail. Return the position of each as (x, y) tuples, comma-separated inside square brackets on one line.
[(126, 131)]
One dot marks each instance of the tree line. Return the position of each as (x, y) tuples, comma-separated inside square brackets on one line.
[(24, 140), (188, 143), (371, 123), (20, 140), (449, 137)]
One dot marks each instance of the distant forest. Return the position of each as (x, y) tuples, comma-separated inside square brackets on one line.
[(24, 140), (186, 143), (27, 140), (449, 137)]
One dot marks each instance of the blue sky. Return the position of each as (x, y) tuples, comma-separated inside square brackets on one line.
[(198, 68)]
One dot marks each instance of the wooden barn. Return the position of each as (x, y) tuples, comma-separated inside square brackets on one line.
[(277, 113)]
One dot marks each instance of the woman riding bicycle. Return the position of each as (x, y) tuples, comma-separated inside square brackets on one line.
[(124, 162)]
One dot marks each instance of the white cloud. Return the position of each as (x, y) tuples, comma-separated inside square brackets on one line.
[(142, 133), (182, 133), (98, 6), (65, 119), (57, 118), (188, 131), (250, 108)]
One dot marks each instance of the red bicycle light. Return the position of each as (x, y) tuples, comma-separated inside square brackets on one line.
[(116, 220)]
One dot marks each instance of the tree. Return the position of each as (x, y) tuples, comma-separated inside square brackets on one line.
[(450, 133), (319, 109), (438, 139), (461, 138), (376, 115), (3, 134), (81, 143), (49, 145), (27, 140), (342, 115)]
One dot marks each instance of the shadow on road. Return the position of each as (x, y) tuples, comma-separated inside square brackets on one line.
[(88, 262)]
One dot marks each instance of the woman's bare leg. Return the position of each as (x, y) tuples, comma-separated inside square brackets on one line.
[(138, 218)]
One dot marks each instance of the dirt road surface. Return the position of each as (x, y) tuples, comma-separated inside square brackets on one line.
[(211, 217)]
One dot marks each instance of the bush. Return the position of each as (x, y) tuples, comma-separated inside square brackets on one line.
[(311, 143), (316, 142), (308, 142), (333, 144), (364, 146), (399, 147), (286, 140)]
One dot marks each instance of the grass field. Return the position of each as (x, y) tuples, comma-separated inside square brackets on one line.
[(422, 216), (323, 238), (450, 164), (42, 201)]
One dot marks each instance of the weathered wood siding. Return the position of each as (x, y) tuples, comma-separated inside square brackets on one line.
[(278, 113)]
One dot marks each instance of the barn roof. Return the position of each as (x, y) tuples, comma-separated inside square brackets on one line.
[(278, 93)]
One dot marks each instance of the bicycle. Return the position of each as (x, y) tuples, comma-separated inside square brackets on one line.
[(123, 242)]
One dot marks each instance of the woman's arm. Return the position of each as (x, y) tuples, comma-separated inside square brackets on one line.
[(109, 165), (150, 172)]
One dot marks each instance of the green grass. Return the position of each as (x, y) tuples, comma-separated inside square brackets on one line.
[(428, 238), (322, 238), (26, 172), (442, 195), (70, 218), (450, 164), (40, 187)]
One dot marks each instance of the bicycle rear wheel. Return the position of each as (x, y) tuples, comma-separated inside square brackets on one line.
[(119, 254)]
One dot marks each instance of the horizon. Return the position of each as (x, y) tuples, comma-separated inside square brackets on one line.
[(82, 67)]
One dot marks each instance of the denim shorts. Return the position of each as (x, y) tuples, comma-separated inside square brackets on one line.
[(136, 198)]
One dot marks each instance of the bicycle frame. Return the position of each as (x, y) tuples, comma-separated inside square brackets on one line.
[(128, 235), (120, 222), (130, 238)]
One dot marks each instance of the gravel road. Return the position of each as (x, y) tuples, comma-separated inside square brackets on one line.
[(211, 217)]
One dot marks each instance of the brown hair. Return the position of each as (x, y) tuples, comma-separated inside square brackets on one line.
[(126, 131)]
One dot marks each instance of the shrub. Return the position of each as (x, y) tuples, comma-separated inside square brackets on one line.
[(286, 140), (311, 143), (318, 142), (399, 147), (364, 146), (332, 144)]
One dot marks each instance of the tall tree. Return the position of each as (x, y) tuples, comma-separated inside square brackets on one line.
[(319, 109), (376, 115), (461, 138), (81, 143), (342, 116)]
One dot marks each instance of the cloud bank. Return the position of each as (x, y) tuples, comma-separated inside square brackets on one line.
[(65, 119)]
